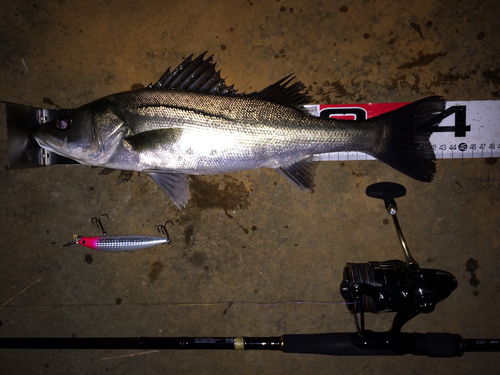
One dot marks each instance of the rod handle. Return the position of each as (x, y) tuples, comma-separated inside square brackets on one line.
[(383, 344)]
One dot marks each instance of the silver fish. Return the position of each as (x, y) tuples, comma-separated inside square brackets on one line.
[(190, 123)]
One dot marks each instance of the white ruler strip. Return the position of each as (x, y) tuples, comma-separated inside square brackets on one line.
[(471, 129)]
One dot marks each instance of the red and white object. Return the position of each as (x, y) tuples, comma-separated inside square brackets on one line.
[(469, 129)]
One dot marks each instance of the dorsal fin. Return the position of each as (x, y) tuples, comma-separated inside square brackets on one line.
[(195, 75), (280, 93), (200, 76)]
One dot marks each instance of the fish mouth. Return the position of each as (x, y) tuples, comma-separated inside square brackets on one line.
[(47, 142)]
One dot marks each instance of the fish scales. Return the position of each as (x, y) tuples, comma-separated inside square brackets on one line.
[(246, 132)]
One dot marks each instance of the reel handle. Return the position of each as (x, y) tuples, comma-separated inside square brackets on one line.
[(388, 192)]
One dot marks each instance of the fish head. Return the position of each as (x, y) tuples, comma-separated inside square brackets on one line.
[(89, 134)]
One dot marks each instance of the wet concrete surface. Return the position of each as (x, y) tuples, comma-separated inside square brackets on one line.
[(251, 236)]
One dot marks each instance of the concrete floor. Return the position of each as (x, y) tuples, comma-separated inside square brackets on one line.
[(248, 236)]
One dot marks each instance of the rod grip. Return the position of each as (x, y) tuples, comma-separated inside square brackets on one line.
[(329, 344), (348, 344)]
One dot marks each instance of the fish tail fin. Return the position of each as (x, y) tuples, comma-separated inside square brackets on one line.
[(405, 144)]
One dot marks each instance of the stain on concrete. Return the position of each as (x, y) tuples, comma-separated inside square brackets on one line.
[(492, 76), (244, 229), (156, 268), (50, 102), (397, 81), (124, 177), (422, 60), (329, 89), (224, 312), (88, 258), (188, 234), (118, 301), (198, 258), (471, 266), (490, 161), (417, 28), (281, 54), (229, 194), (106, 171), (445, 79)]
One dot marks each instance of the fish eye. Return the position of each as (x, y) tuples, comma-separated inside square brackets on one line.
[(62, 124)]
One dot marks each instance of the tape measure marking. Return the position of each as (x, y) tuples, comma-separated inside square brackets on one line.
[(469, 129)]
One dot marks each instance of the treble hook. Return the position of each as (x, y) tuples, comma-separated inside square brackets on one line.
[(97, 222), (163, 229)]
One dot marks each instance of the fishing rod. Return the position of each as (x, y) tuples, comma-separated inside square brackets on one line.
[(390, 286)]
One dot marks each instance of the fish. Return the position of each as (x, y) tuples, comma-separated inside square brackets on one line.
[(190, 122)]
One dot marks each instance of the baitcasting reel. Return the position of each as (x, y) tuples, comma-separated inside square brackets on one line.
[(394, 285)]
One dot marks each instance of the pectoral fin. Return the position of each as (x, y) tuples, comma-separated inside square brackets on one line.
[(175, 185), (301, 174), (152, 139)]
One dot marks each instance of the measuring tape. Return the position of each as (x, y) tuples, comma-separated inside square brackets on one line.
[(469, 129)]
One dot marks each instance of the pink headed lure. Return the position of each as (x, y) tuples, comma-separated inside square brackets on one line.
[(120, 243)]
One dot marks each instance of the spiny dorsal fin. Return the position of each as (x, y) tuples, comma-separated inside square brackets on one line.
[(280, 93), (195, 75), (200, 76)]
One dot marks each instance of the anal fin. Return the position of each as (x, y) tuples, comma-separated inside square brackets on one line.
[(301, 173), (175, 185)]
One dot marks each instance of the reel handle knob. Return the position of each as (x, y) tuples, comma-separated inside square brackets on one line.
[(388, 192)]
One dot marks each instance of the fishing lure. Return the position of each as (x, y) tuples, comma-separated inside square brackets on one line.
[(120, 243)]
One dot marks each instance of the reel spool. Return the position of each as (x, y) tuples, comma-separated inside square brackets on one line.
[(362, 280), (394, 285)]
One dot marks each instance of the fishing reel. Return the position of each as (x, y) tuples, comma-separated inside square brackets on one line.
[(394, 285)]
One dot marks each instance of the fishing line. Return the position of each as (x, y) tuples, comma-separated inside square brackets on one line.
[(189, 304)]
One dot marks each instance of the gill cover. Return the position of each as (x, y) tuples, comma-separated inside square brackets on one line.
[(88, 134)]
